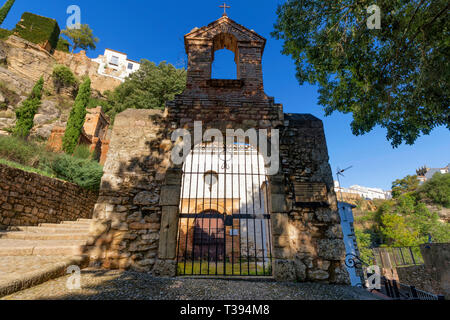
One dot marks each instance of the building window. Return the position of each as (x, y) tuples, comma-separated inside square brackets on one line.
[(130, 66), (114, 60)]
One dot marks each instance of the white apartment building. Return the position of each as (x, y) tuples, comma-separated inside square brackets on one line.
[(365, 192), (116, 65)]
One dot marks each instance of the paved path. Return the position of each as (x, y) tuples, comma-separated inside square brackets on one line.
[(110, 285), (32, 255)]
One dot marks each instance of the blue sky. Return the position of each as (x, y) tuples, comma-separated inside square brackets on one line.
[(154, 30)]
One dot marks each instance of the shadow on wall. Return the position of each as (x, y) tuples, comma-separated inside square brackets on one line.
[(127, 217)]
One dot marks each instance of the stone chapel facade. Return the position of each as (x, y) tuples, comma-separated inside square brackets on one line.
[(137, 217)]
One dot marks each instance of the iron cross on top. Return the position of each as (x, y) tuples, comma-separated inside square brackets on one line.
[(225, 7)]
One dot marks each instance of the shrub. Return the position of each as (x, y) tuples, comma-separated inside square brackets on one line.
[(25, 114), (25, 153), (63, 45), (77, 117), (38, 29), (63, 77), (85, 173), (5, 33), (33, 157), (83, 152)]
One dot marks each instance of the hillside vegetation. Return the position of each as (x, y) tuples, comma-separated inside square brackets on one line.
[(409, 219)]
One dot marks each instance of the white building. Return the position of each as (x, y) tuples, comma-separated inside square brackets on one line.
[(116, 64), (365, 192)]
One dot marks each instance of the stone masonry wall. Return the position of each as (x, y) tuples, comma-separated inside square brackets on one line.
[(137, 213), (127, 218), (27, 199), (308, 237)]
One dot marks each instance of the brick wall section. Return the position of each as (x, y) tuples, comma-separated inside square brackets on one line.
[(27, 199)]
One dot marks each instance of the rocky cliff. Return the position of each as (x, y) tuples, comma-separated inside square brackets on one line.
[(22, 63)]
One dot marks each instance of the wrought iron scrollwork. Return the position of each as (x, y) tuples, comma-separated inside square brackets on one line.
[(353, 261)]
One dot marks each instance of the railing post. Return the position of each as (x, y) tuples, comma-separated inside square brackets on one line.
[(396, 292), (414, 294), (387, 285), (412, 256)]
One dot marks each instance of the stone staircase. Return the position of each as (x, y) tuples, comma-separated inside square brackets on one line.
[(32, 255)]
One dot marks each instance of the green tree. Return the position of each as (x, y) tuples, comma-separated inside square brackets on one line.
[(77, 117), (396, 77), (436, 190), (25, 114), (5, 10), (396, 231), (148, 88), (407, 184), (63, 77), (81, 37)]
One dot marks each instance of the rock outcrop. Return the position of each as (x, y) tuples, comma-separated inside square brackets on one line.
[(22, 63)]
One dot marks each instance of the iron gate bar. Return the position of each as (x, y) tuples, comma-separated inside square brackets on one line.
[(219, 232)]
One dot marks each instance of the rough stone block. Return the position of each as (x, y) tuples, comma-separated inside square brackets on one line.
[(284, 270)]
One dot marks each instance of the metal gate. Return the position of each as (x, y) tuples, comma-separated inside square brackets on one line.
[(224, 224)]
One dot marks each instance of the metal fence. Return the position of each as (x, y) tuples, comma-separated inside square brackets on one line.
[(399, 291), (397, 256)]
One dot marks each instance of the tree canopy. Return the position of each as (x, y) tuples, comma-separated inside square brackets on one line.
[(407, 184), (76, 118), (396, 77), (81, 37), (5, 10), (25, 114), (148, 88)]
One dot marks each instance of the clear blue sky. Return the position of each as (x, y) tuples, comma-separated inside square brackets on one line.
[(154, 30)]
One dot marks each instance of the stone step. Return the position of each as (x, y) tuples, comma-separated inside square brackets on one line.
[(77, 223), (59, 230), (13, 247), (87, 220), (22, 272), (64, 225), (21, 235)]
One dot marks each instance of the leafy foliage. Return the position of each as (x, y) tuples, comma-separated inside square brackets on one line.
[(83, 172), (63, 77), (395, 77), (38, 29), (5, 33), (5, 10), (77, 117), (25, 114), (81, 37), (29, 156), (148, 88), (63, 45), (24, 152), (406, 220), (437, 189), (401, 186)]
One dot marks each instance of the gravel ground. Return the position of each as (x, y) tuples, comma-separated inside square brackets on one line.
[(111, 285)]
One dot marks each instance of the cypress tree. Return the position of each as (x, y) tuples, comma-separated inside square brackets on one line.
[(25, 114), (76, 118), (5, 10)]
